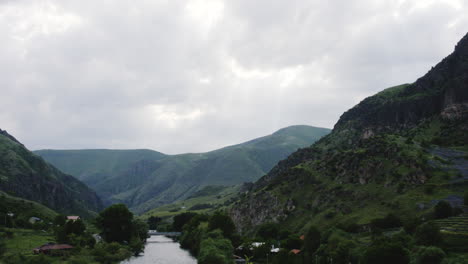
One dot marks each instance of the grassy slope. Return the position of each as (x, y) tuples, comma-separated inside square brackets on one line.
[(215, 196), (24, 208), (26, 175)]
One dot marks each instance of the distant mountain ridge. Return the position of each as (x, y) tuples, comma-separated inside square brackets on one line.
[(26, 175), (145, 179)]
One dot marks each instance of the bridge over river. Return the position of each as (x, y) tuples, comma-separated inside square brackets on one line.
[(169, 234)]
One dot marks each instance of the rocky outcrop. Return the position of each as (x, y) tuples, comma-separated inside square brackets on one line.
[(443, 90)]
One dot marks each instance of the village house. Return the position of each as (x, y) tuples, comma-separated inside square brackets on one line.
[(53, 249), (34, 220), (73, 218)]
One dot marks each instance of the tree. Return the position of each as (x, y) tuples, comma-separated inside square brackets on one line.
[(268, 231), (428, 234), (140, 229), (153, 222), (430, 255), (386, 253), (115, 223), (60, 220), (292, 242), (181, 219), (312, 240), (2, 248), (465, 199), (442, 210), (223, 222), (215, 249)]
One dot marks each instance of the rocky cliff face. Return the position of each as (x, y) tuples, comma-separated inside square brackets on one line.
[(442, 91), (378, 151), (28, 176)]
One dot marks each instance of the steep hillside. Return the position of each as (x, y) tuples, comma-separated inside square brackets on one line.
[(26, 175), (23, 209), (397, 151), (147, 180)]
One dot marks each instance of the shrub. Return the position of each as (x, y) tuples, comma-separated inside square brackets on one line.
[(429, 255), (215, 251), (411, 224), (428, 234), (181, 219), (223, 222), (389, 221), (386, 253), (312, 240), (268, 231), (442, 210)]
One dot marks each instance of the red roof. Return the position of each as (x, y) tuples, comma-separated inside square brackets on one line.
[(295, 251), (55, 247)]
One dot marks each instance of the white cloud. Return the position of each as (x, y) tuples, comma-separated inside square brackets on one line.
[(180, 76)]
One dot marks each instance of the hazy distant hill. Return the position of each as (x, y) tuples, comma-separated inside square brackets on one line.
[(144, 179), (26, 175)]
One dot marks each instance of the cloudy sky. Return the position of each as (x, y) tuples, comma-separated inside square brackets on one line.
[(191, 76)]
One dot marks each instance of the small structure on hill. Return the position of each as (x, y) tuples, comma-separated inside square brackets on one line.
[(73, 218), (295, 251), (52, 249), (34, 220)]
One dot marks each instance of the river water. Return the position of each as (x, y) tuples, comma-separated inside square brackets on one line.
[(162, 250)]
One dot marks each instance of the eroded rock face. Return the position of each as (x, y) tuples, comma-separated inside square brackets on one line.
[(259, 208), (455, 111)]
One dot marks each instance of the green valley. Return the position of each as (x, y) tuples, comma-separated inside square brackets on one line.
[(145, 179)]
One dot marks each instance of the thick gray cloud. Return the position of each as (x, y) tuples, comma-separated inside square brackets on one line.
[(191, 76)]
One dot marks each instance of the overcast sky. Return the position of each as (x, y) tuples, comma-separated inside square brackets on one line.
[(192, 76)]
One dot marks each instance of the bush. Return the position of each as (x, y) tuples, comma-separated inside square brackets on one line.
[(116, 223), (442, 210), (428, 234), (312, 240), (223, 222), (268, 231), (386, 253), (411, 224), (292, 242), (215, 250), (389, 221), (429, 255), (181, 219)]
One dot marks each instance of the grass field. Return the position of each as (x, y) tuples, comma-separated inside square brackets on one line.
[(25, 240)]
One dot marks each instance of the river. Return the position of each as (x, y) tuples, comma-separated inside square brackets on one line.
[(162, 250)]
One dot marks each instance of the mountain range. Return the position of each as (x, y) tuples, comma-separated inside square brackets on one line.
[(145, 179)]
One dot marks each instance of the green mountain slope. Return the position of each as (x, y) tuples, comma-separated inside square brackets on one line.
[(26, 175), (96, 164), (147, 180), (398, 151), (23, 209)]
